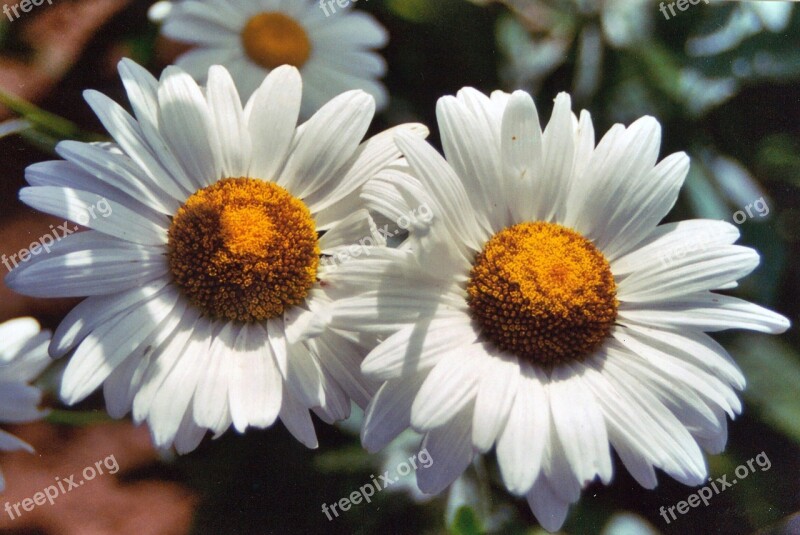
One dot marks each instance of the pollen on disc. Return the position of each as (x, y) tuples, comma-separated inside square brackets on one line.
[(243, 249), (543, 292)]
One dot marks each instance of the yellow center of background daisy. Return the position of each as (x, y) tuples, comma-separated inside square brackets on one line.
[(244, 249), (272, 39), (543, 292)]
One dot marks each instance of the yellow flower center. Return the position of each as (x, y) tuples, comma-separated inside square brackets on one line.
[(243, 249), (272, 39), (543, 292)]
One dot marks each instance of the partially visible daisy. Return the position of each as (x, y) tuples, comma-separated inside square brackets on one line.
[(23, 356), (334, 52), (212, 251), (544, 312), (538, 39)]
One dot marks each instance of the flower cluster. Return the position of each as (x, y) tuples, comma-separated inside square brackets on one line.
[(530, 314)]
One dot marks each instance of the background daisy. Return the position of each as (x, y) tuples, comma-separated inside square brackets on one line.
[(252, 37), (23, 356), (544, 312), (211, 253)]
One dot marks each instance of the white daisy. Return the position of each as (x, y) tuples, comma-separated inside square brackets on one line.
[(205, 265), (252, 37), (23, 356), (544, 311)]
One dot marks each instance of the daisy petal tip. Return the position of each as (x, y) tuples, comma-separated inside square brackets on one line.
[(91, 95), (780, 325), (406, 141), (286, 72), (126, 64), (218, 72), (159, 11), (563, 99), (173, 71), (417, 129), (370, 441), (521, 98), (68, 395)]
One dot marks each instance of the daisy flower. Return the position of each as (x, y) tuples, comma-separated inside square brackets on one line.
[(543, 311), (253, 37), (23, 356), (211, 253)]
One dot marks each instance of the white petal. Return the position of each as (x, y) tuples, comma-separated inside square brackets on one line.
[(697, 271), (199, 23), (668, 244), (678, 453), (558, 151), (211, 397), (417, 347), (549, 509), (353, 231), (645, 204), (108, 346), (120, 171), (341, 358), (579, 422), (622, 158), (304, 376), (169, 344), (9, 442), (372, 156), (389, 412), (122, 384), (91, 312), (521, 142), (271, 115), (446, 187), (173, 400), (187, 124), (522, 440), (450, 448), (450, 386), (109, 266), (704, 311), (255, 384), (229, 123), (326, 141), (158, 161), (189, 434), (297, 420), (471, 145), (15, 334), (494, 400), (75, 205)]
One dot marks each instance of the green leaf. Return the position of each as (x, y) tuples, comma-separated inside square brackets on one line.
[(466, 522), (418, 11), (772, 369), (47, 129), (77, 418), (779, 158)]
